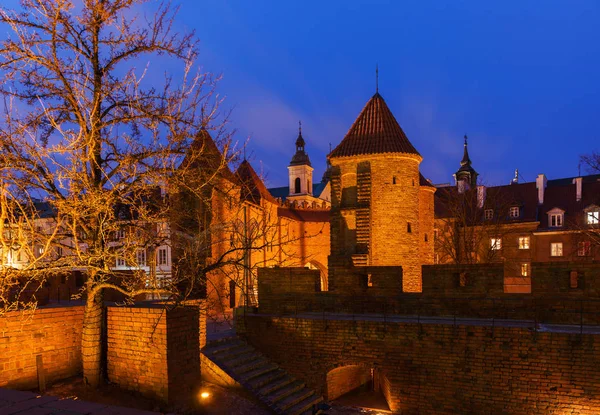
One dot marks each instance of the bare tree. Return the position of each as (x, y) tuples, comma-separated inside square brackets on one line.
[(91, 132), (591, 162), (472, 225)]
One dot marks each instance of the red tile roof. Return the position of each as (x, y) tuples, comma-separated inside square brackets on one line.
[(253, 188), (375, 131), (304, 215)]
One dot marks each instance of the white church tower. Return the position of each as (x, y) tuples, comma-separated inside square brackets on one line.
[(300, 171)]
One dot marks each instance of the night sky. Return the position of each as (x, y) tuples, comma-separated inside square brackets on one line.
[(521, 78)]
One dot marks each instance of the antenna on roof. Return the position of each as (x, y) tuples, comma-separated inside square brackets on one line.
[(377, 78)]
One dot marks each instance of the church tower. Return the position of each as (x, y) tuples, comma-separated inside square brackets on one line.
[(465, 176), (300, 171), (382, 208)]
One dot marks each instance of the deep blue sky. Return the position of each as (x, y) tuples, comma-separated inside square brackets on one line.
[(521, 78)]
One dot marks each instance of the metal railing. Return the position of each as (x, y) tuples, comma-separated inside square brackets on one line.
[(531, 312)]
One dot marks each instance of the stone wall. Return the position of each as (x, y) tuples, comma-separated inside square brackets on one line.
[(54, 333), (443, 369), (154, 350)]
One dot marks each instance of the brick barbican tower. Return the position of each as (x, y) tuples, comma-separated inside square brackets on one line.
[(382, 207)]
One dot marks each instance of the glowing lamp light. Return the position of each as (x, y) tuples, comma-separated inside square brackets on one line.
[(205, 395)]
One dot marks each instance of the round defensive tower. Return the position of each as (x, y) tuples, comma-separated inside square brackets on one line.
[(380, 201)]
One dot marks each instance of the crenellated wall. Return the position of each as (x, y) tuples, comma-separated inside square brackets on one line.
[(441, 369)]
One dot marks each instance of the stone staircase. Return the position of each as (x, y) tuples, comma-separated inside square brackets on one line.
[(268, 382)]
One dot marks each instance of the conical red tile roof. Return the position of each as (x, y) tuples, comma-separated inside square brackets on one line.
[(375, 131)]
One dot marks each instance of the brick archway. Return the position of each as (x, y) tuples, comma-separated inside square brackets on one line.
[(312, 264), (364, 381)]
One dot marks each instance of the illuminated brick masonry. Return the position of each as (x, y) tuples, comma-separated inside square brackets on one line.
[(381, 207)]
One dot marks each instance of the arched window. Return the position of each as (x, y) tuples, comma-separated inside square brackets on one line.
[(297, 185)]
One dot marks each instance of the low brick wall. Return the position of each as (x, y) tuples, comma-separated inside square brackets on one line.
[(52, 332), (441, 369), (155, 351)]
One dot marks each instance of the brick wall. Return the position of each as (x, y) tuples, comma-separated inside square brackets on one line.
[(154, 351), (275, 282), (52, 332), (441, 369), (554, 278), (463, 280), (342, 380)]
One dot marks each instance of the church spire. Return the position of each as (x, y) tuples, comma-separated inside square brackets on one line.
[(465, 160), (300, 157), (466, 174)]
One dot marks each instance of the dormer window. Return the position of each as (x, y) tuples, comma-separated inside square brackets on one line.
[(556, 218), (489, 214), (592, 215), (514, 212)]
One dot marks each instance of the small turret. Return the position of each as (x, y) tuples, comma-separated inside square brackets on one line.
[(466, 176), (300, 169)]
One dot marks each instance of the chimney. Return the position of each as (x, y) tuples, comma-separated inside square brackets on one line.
[(540, 184), (578, 181), (481, 193)]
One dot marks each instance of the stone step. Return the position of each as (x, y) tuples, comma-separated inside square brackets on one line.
[(254, 364), (233, 354), (294, 398), (222, 347), (247, 356), (276, 384), (265, 381), (248, 376), (305, 406), (285, 391)]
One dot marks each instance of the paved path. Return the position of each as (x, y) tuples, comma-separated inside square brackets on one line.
[(18, 402)]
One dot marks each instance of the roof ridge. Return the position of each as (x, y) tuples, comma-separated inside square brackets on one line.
[(374, 131)]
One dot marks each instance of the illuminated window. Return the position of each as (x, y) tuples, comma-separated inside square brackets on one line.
[(496, 244), (523, 242), (369, 280), (489, 214), (525, 270), (584, 248), (162, 256), (141, 257), (120, 262), (514, 212), (556, 249), (592, 217)]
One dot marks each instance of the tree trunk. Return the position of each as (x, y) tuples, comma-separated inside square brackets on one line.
[(91, 338)]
